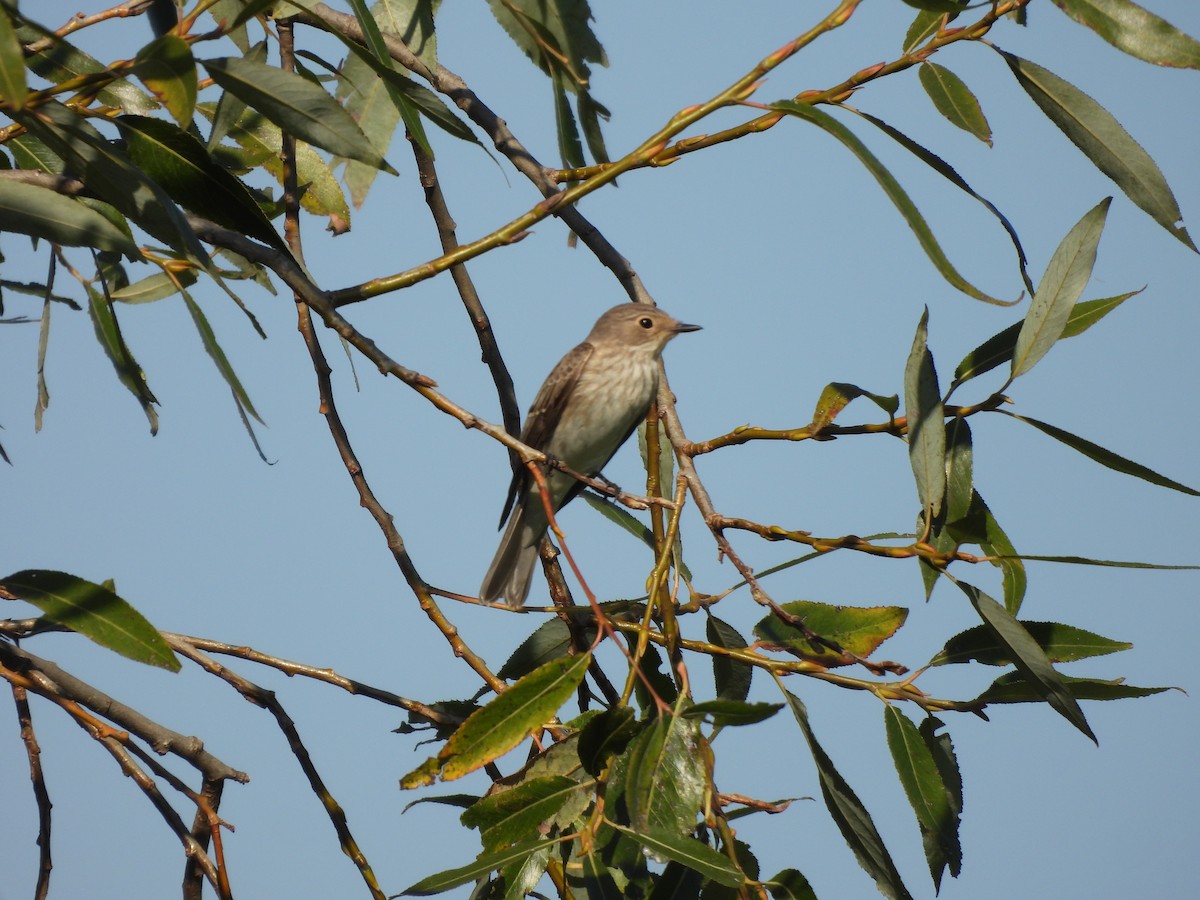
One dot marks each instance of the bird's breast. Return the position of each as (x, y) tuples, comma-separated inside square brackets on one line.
[(612, 394)]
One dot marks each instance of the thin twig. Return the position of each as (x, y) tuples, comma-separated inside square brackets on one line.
[(317, 673), (832, 95), (266, 699), (451, 85), (561, 199), (444, 221), (40, 794), (117, 743), (160, 738)]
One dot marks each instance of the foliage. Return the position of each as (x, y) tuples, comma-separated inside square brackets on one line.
[(189, 166)]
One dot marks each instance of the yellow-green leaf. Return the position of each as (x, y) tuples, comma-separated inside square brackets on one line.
[(41, 212), (167, 69), (498, 727), (857, 629), (13, 87)]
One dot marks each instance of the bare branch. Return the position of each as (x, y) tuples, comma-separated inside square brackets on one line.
[(48, 678), (266, 699), (40, 794)]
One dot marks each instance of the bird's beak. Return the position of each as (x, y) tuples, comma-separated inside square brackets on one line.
[(681, 327)]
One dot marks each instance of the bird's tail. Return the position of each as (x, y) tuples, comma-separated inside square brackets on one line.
[(511, 570)]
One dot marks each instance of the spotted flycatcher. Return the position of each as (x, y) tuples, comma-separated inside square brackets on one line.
[(590, 403)]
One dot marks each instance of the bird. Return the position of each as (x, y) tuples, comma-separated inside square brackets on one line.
[(590, 403)]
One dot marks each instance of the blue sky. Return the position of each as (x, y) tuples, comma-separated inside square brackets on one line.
[(802, 273)]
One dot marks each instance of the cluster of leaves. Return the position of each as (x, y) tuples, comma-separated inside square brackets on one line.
[(617, 790), (623, 800), (74, 185)]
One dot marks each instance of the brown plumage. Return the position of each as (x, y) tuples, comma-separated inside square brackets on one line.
[(588, 406)]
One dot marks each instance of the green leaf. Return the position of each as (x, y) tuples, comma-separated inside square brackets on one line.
[(892, 188), (732, 712), (849, 814), (406, 94), (731, 677), (651, 664), (30, 153), (678, 880), (217, 355), (163, 15), (689, 852), (62, 61), (229, 108), (1028, 657), (606, 735), (520, 878), (1060, 643), (621, 517), (13, 87), (43, 390), (41, 212), (939, 6), (367, 99), (249, 9), (1093, 130), (129, 373), (498, 727), (570, 148), (320, 193), (167, 69), (954, 100), (926, 428), (1104, 457), (790, 884), (111, 176), (923, 27), (858, 630), (959, 492), (459, 801), (94, 611), (392, 77), (413, 22), (941, 748), (1062, 284), (505, 817), (1107, 563), (1135, 31), (948, 172), (995, 543), (927, 793), (590, 114), (178, 161), (297, 106), (837, 396), (551, 640), (483, 864), (555, 34), (999, 348), (1014, 688), (662, 778), (666, 459), (592, 879), (154, 287)]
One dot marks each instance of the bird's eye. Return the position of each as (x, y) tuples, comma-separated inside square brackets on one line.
[(646, 322)]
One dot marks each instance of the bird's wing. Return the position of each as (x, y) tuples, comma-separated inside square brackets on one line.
[(545, 413)]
